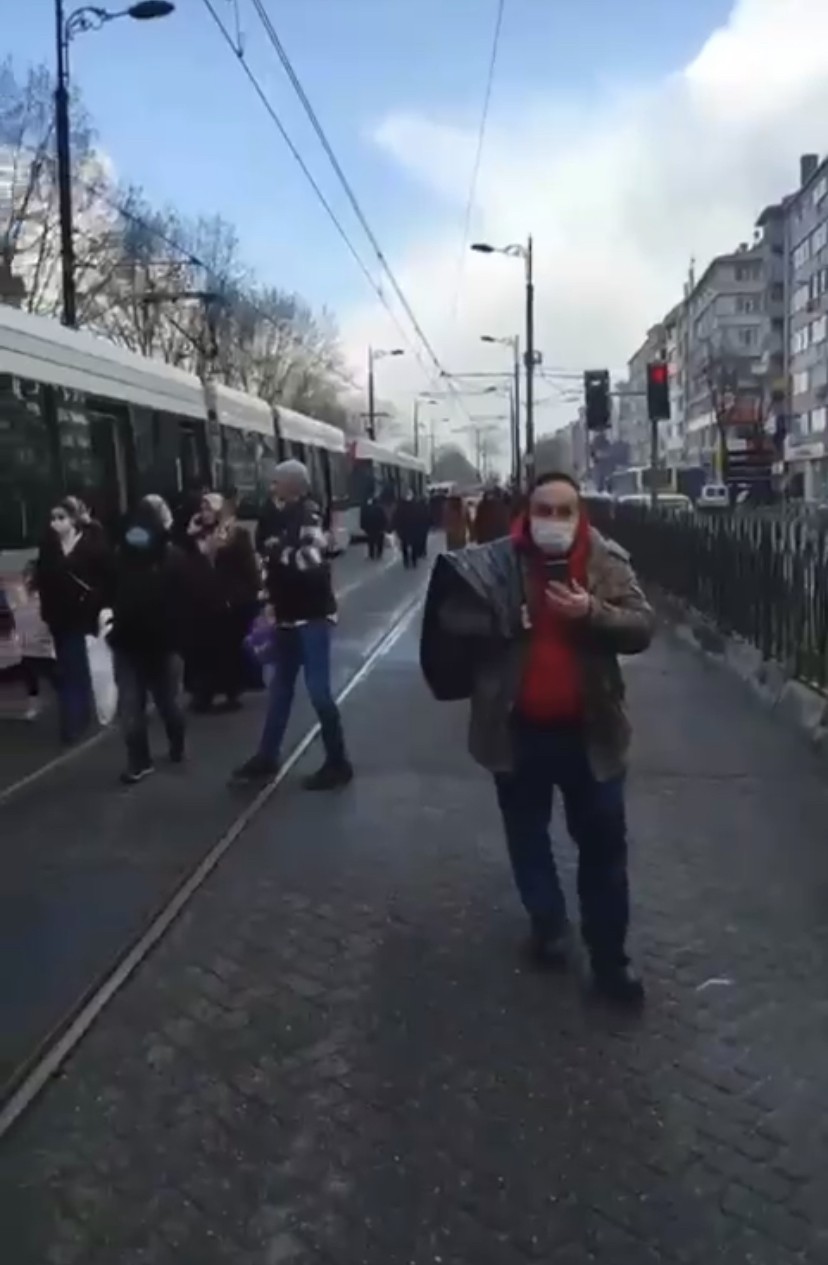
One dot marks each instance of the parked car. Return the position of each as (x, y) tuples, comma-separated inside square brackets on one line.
[(714, 496)]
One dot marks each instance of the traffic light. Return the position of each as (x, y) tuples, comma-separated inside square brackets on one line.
[(597, 399), (658, 391)]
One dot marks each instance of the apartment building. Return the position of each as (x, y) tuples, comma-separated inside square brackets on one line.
[(805, 215), (732, 348)]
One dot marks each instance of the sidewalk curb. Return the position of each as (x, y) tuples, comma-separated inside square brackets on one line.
[(797, 705)]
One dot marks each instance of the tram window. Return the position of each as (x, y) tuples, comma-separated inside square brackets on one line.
[(29, 481), (146, 450), (338, 466), (242, 467), (268, 461), (83, 472)]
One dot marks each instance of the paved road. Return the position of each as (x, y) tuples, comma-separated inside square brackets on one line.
[(334, 1058), (86, 862)]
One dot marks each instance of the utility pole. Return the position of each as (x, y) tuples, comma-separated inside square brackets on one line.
[(530, 361), (372, 423), (69, 314)]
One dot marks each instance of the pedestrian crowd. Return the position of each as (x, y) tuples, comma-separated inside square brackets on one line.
[(526, 615)]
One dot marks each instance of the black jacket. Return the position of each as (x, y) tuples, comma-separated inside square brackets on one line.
[(74, 587), (299, 584), (149, 594)]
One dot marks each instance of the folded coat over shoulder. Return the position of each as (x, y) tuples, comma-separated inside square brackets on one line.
[(475, 633)]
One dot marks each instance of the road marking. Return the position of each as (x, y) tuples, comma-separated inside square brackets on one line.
[(50, 1062), (66, 757)]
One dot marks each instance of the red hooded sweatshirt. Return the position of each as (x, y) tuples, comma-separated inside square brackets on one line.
[(551, 690)]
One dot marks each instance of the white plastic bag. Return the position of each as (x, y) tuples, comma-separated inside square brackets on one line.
[(102, 672)]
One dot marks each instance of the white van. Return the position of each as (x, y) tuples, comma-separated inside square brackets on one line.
[(714, 496)]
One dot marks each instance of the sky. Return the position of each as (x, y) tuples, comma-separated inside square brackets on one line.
[(626, 137)]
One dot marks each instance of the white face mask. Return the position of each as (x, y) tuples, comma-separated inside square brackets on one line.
[(553, 535), (63, 527)]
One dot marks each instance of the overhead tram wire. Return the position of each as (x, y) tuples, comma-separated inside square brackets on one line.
[(296, 84), (352, 250), (481, 138)]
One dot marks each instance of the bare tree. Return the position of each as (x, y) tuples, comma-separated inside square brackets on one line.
[(29, 237)]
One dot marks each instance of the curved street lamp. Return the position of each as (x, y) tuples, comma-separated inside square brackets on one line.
[(517, 251), (376, 354), (86, 18)]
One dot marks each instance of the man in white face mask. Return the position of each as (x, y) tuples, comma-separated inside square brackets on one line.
[(550, 609)]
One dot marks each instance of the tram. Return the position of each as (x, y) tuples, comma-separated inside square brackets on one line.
[(82, 416)]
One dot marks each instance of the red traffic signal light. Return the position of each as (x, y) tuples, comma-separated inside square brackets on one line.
[(658, 391)]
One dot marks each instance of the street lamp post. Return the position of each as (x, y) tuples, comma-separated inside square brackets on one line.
[(526, 253), (374, 355), (514, 343), (87, 18), (420, 399)]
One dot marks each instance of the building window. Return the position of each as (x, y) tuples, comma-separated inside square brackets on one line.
[(819, 328), (747, 336), (820, 190), (747, 303), (777, 292), (800, 298), (800, 340), (802, 253), (748, 272), (819, 238), (818, 418), (800, 381)]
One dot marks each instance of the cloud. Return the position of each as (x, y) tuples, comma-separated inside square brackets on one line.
[(619, 199)]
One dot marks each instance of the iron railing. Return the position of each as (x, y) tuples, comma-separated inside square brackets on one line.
[(762, 577)]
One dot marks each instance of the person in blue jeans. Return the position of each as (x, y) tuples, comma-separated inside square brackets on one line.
[(303, 606)]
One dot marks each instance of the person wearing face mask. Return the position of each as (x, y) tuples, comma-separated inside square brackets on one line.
[(532, 627), (148, 613), (73, 576)]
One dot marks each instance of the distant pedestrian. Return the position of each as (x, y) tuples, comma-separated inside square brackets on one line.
[(492, 520), (36, 647), (455, 523), (423, 527), (535, 623), (374, 525), (408, 528), (148, 609), (303, 607)]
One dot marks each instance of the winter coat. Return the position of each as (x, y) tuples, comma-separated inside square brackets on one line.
[(149, 595), (475, 638), (299, 583), (74, 587)]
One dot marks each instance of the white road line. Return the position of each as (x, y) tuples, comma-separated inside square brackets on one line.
[(49, 1064), (66, 757)]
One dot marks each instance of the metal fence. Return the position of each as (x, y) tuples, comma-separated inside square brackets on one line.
[(759, 576)]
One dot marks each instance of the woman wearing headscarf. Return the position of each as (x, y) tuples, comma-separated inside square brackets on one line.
[(74, 578), (223, 599)]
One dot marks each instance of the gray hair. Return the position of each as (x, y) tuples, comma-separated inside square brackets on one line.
[(160, 507), (294, 470)]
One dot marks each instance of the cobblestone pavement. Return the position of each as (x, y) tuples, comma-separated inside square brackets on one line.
[(334, 1058), (88, 862)]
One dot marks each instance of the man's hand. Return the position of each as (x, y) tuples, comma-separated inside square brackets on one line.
[(568, 600)]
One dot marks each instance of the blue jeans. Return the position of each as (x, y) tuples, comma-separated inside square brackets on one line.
[(74, 685), (547, 757), (308, 648)]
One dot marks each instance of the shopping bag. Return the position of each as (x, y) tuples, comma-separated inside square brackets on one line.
[(259, 642), (102, 672)]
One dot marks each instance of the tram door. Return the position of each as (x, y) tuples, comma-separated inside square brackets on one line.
[(192, 466), (110, 439)]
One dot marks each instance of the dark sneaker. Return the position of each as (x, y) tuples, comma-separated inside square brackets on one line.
[(135, 774), (259, 769), (330, 777), (177, 751), (547, 950), (620, 986)]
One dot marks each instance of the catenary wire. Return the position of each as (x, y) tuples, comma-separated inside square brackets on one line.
[(478, 156)]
